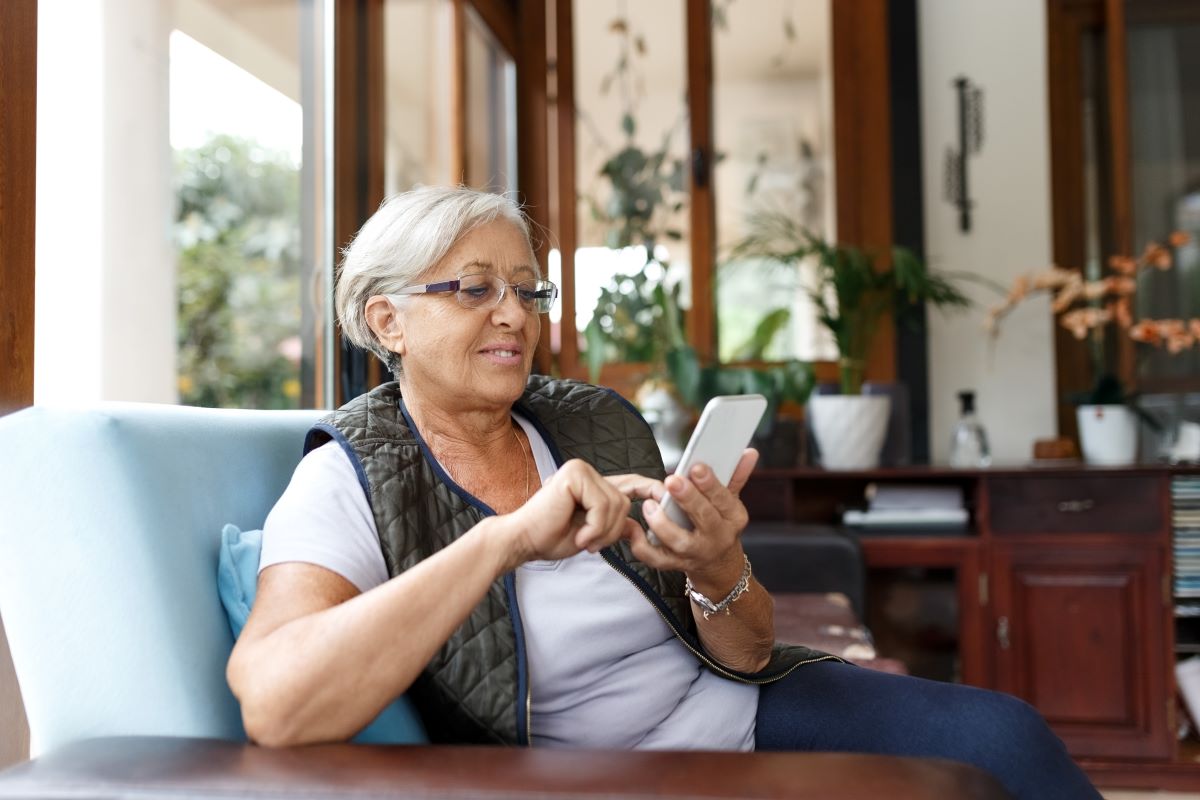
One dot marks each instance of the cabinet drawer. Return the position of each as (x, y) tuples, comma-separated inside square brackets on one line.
[(1076, 504)]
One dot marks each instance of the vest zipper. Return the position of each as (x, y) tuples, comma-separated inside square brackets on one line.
[(713, 665), (528, 679), (528, 708), (514, 613)]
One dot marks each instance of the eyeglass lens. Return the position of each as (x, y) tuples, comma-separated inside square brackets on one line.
[(482, 291)]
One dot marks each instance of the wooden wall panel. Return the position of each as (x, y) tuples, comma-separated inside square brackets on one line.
[(18, 126), (18, 120)]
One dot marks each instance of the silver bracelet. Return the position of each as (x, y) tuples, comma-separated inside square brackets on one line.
[(708, 606)]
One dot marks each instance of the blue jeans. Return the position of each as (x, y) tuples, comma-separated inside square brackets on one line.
[(830, 706)]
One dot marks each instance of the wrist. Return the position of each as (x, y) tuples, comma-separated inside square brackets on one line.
[(712, 605), (502, 542), (720, 576)]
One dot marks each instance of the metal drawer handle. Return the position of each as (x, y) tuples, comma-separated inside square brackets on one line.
[(1075, 506), (1002, 632)]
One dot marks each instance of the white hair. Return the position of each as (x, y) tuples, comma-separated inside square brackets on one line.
[(410, 233)]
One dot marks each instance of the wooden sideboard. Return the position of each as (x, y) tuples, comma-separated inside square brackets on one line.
[(1064, 595)]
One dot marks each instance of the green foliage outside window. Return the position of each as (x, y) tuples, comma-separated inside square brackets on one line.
[(238, 234)]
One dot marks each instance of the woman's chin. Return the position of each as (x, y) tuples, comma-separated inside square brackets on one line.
[(503, 385)]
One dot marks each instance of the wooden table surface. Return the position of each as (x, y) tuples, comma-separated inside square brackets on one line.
[(140, 767)]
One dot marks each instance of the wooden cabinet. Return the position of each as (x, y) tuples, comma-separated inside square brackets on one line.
[(1079, 633), (1086, 503), (1063, 596)]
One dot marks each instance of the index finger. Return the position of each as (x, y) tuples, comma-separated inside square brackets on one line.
[(637, 487)]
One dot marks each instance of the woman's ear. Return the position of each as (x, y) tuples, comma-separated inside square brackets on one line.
[(385, 323)]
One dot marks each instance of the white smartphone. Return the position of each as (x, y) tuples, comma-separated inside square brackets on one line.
[(721, 435)]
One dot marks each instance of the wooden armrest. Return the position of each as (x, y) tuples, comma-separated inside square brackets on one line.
[(143, 767)]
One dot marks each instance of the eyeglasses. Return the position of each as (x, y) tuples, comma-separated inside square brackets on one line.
[(485, 290)]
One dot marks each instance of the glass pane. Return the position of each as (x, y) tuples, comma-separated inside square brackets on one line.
[(418, 137), (1097, 184), (1164, 81), (491, 110), (773, 132), (631, 133), (190, 147), (247, 132)]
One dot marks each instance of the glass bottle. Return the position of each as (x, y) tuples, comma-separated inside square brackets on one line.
[(969, 444)]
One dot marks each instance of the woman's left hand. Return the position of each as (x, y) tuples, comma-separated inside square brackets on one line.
[(711, 554)]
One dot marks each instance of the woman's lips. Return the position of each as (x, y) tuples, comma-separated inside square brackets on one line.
[(504, 356)]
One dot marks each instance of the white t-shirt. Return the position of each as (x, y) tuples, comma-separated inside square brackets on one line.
[(605, 669)]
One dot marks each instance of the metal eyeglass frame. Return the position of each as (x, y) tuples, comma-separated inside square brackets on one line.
[(541, 288)]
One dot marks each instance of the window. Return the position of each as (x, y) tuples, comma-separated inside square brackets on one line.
[(632, 251), (190, 151), (1126, 170), (773, 131), (673, 122)]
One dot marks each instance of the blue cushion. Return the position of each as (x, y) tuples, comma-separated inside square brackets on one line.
[(237, 581), (237, 574)]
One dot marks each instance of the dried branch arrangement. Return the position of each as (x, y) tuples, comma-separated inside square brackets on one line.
[(1083, 305)]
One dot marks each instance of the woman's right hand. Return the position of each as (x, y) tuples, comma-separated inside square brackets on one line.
[(577, 509)]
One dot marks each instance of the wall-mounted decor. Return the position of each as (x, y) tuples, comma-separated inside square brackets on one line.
[(970, 142)]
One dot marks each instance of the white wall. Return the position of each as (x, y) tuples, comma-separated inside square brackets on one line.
[(1002, 48)]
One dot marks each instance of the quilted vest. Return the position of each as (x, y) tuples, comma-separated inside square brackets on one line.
[(475, 689)]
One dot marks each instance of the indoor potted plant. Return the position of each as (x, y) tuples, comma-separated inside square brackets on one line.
[(1107, 413), (851, 295), (778, 438), (645, 323)]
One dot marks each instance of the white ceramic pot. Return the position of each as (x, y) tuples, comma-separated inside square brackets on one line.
[(849, 429), (1108, 434)]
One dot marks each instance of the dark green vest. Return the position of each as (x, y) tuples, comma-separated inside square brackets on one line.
[(475, 689)]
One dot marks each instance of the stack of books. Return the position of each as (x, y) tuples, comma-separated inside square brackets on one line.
[(910, 507), (1185, 519)]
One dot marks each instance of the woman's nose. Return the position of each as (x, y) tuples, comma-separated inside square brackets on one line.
[(509, 310)]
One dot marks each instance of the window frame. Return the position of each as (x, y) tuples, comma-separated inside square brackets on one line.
[(1067, 23), (862, 173)]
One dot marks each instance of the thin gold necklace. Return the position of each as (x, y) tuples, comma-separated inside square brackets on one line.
[(526, 456)]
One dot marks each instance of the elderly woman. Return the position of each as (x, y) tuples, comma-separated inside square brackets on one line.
[(471, 535)]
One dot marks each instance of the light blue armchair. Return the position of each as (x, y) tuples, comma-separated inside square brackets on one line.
[(110, 521)]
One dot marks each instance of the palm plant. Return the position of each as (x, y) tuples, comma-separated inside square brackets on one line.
[(851, 294)]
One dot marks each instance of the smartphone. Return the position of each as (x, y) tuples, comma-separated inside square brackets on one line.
[(721, 435)]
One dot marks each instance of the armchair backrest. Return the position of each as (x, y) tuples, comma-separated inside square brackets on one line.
[(110, 521)]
